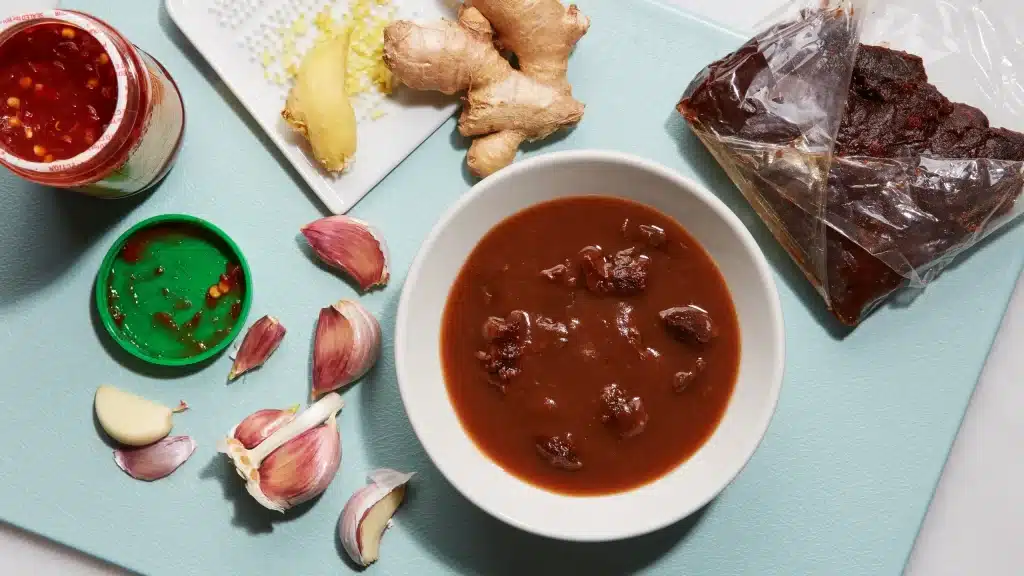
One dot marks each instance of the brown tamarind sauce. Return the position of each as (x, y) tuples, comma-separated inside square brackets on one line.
[(590, 345)]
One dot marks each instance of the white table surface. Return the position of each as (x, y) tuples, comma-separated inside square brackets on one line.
[(974, 524)]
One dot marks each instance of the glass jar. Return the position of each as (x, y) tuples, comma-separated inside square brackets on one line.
[(142, 139)]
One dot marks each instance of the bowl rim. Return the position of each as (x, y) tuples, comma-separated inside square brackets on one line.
[(100, 293), (737, 228)]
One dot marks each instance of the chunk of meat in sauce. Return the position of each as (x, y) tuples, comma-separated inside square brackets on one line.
[(560, 273), (506, 341), (559, 452), (629, 272), (654, 235), (690, 323), (624, 275), (549, 333), (682, 379), (649, 234), (596, 269), (626, 416)]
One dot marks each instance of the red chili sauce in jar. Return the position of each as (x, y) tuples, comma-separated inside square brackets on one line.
[(58, 92), (118, 106)]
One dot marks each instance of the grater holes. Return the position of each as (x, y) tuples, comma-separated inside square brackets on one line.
[(266, 34)]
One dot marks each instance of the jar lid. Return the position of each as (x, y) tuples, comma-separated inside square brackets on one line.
[(174, 290)]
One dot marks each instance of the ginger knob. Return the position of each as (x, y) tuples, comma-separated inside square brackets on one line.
[(504, 107)]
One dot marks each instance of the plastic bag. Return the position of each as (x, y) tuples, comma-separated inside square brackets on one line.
[(865, 168)]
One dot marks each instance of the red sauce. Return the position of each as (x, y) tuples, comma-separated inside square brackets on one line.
[(135, 247), (58, 92), (193, 322), (236, 309), (166, 320), (590, 345), (151, 285)]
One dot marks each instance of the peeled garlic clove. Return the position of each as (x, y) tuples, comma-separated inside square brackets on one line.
[(367, 514), (260, 424), (156, 460), (132, 420), (296, 462), (260, 341), (345, 347), (351, 245)]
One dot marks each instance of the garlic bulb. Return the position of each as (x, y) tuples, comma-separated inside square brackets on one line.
[(367, 514), (345, 347), (295, 462), (351, 245)]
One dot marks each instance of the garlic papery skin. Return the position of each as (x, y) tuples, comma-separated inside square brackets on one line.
[(367, 514), (307, 461), (351, 245), (156, 460), (302, 468), (260, 424), (260, 341), (346, 345)]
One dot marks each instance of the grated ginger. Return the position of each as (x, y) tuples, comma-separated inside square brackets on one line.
[(365, 20), (366, 52)]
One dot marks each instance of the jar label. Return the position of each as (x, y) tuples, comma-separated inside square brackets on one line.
[(158, 145)]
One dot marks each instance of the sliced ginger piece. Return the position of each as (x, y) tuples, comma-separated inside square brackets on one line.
[(131, 420), (318, 106)]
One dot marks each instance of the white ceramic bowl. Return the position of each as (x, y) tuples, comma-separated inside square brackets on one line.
[(690, 485)]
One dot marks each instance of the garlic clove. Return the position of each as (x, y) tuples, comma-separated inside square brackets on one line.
[(156, 460), (260, 424), (132, 420), (261, 340), (351, 245), (367, 514), (345, 347), (301, 469), (304, 469)]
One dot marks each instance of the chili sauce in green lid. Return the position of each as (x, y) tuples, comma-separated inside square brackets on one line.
[(174, 290)]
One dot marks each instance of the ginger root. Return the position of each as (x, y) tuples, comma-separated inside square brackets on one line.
[(318, 106), (503, 106)]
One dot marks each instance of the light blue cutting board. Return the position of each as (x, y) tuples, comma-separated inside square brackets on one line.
[(838, 487)]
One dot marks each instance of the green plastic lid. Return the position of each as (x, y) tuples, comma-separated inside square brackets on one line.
[(174, 290)]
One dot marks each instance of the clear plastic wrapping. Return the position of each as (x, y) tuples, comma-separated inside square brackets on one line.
[(859, 156)]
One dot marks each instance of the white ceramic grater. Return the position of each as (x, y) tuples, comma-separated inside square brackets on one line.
[(244, 41)]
